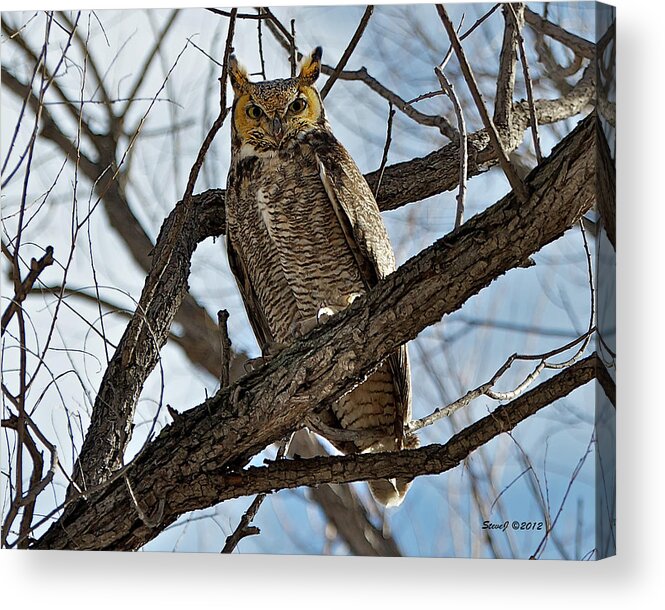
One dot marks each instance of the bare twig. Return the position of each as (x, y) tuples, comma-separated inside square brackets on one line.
[(237, 15), (285, 39), (447, 86), (292, 52), (151, 522), (363, 76), (259, 34), (576, 471), (505, 81), (355, 39), (143, 71), (514, 180), (244, 528), (386, 149), (25, 286), (527, 81), (486, 388), (222, 319)]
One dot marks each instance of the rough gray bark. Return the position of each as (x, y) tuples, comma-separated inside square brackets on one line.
[(225, 431)]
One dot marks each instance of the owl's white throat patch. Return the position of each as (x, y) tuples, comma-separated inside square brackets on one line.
[(248, 150), (262, 204)]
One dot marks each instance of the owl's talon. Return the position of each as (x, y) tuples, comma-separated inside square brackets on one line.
[(352, 297), (324, 314), (301, 327)]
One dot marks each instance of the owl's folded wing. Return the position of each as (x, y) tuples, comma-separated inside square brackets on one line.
[(257, 319), (356, 208), (359, 215)]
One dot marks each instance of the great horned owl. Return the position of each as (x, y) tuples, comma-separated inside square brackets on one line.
[(304, 237)]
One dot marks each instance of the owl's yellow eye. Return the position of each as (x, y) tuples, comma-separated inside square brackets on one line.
[(254, 112), (297, 105)]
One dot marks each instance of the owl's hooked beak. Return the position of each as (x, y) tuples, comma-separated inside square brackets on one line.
[(277, 129)]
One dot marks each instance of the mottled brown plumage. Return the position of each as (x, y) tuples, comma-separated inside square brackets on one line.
[(305, 237)]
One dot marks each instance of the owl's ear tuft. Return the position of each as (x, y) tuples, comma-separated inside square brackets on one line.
[(238, 76), (311, 67)]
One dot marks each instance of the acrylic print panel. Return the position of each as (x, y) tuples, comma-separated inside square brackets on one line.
[(204, 333)]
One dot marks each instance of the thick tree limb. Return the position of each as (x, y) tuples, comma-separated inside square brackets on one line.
[(229, 428), (606, 185), (432, 459), (284, 474)]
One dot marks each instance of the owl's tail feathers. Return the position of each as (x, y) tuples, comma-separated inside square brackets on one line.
[(391, 492)]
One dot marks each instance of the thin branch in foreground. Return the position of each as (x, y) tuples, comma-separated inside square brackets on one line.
[(25, 286), (505, 80), (244, 528), (515, 181), (528, 84), (259, 35), (447, 86), (386, 148), (348, 51), (292, 53)]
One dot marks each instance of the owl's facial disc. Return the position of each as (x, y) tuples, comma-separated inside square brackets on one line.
[(273, 112), (268, 114)]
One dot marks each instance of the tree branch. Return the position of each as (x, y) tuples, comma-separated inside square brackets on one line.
[(25, 285), (577, 44), (505, 81), (514, 180), (348, 51)]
